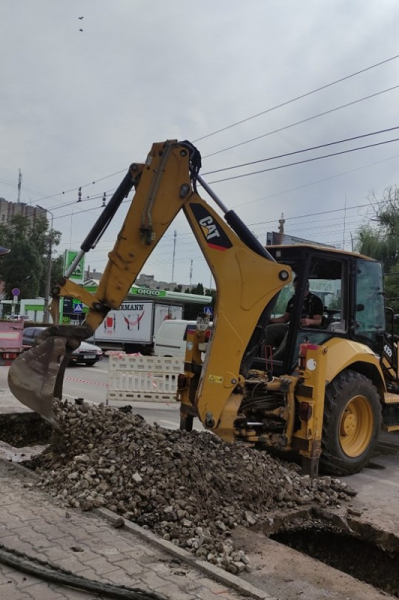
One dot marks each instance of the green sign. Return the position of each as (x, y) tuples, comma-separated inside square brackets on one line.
[(78, 273), (148, 292)]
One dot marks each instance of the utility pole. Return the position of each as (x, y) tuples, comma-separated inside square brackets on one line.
[(49, 261), (191, 272), (174, 253), (19, 185)]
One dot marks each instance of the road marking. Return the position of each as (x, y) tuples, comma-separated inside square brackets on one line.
[(100, 383)]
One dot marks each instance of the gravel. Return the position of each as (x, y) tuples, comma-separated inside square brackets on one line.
[(189, 488)]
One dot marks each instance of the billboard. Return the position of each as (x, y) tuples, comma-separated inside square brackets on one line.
[(78, 274), (131, 323), (136, 321)]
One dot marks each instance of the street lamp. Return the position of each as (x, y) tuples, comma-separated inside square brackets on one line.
[(49, 257)]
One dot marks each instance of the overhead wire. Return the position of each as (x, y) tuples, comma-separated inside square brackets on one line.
[(299, 162), (75, 189), (169, 238), (100, 196), (322, 114), (296, 98), (255, 227), (316, 182), (278, 156), (41, 199), (307, 160)]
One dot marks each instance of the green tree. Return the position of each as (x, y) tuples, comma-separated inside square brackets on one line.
[(22, 269), (212, 294), (26, 265), (198, 289), (382, 241), (191, 311)]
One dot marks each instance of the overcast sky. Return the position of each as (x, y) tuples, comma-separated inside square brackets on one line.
[(79, 106)]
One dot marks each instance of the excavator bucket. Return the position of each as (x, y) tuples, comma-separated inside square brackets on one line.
[(36, 376)]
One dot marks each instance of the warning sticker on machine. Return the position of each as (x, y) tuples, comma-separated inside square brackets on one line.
[(215, 378)]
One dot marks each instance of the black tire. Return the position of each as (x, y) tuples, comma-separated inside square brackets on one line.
[(351, 424)]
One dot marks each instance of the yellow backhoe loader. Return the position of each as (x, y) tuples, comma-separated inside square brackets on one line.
[(324, 394)]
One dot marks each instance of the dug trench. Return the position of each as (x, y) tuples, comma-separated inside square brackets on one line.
[(229, 505), (335, 538)]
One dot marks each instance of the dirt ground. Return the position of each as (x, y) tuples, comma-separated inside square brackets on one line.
[(288, 574)]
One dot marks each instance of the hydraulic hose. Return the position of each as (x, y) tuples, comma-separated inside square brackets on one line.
[(50, 572)]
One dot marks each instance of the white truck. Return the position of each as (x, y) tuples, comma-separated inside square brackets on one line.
[(133, 326)]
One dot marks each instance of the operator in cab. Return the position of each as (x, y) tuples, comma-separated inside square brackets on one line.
[(312, 314)]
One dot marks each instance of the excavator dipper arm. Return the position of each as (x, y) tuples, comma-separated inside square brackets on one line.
[(247, 279)]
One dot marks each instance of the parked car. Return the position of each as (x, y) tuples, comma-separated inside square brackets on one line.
[(87, 354)]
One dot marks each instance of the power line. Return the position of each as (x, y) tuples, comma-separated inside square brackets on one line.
[(343, 141), (323, 87), (334, 229), (307, 160), (75, 189), (322, 114), (66, 204), (257, 224), (217, 170), (237, 123), (305, 185)]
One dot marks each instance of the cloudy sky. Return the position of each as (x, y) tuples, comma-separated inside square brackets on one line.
[(79, 106)]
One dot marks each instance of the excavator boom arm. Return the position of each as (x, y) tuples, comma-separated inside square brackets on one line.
[(247, 278)]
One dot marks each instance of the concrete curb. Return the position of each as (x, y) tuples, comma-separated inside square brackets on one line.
[(223, 577)]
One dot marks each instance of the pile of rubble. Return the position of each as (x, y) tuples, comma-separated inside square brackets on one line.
[(190, 488)]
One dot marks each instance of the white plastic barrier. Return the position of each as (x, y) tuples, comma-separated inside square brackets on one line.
[(143, 378)]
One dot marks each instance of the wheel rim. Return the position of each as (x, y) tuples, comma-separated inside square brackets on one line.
[(356, 426)]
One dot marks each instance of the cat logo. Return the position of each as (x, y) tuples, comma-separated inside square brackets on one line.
[(215, 236), (209, 228)]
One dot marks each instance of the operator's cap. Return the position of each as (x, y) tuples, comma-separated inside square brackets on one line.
[(4, 250)]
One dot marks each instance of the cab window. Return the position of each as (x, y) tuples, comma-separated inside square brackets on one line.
[(369, 299), (326, 280)]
